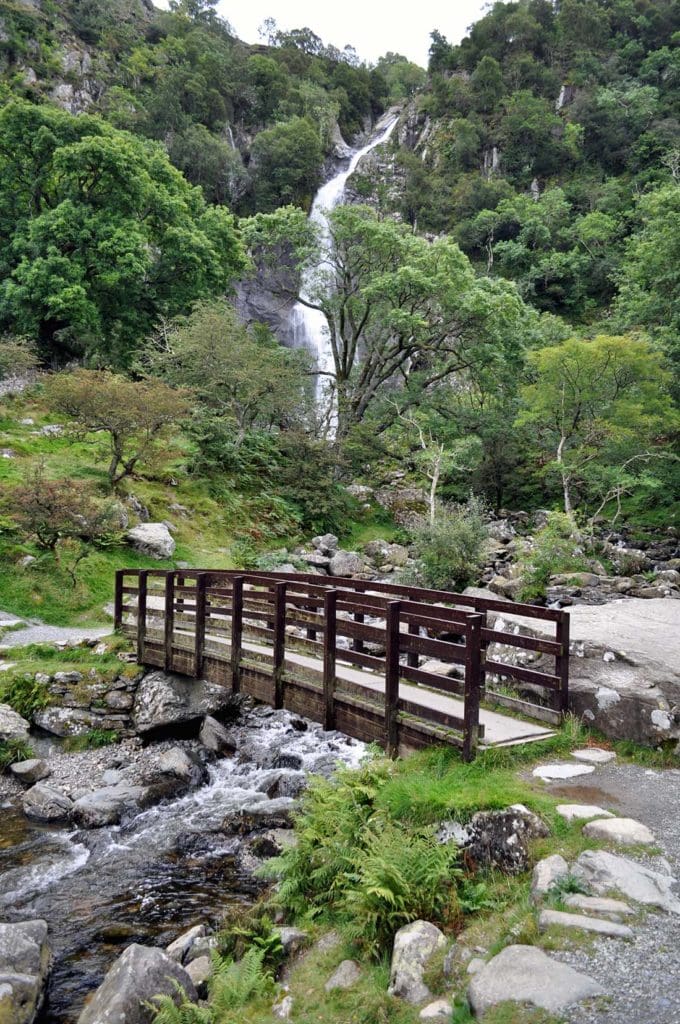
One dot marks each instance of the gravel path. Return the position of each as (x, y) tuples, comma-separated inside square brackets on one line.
[(642, 976), (42, 634)]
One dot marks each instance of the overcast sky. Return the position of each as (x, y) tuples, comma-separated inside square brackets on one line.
[(372, 27)]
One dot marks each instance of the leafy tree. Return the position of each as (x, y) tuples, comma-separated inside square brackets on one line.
[(396, 306), (599, 409), (286, 164), (487, 84), (450, 549), (99, 235), (134, 415), (17, 356)]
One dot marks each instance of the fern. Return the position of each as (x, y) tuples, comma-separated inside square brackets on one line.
[(234, 983), (185, 1012)]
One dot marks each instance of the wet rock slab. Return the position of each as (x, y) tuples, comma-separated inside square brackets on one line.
[(24, 965)]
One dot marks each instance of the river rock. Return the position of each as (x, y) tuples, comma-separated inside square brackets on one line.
[(347, 563), (524, 974), (178, 763), (498, 839), (199, 970), (546, 874), (61, 721), (344, 976), (24, 965), (12, 725), (326, 544), (126, 994), (414, 946), (179, 949), (152, 539), (42, 803), (215, 737), (31, 771), (106, 806), (603, 872), (624, 831), (164, 699)]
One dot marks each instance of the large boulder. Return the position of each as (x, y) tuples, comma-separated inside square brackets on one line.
[(106, 806), (12, 725), (31, 771), (414, 946), (347, 563), (125, 996), (524, 974), (25, 960), (604, 872), (64, 722), (498, 839), (42, 803), (152, 539), (165, 699)]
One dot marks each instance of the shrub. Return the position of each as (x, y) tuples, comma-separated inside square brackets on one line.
[(450, 551), (23, 693), (556, 550), (13, 751)]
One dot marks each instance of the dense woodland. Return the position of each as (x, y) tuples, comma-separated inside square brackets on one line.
[(502, 298)]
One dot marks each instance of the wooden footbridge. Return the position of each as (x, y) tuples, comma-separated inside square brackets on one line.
[(402, 666)]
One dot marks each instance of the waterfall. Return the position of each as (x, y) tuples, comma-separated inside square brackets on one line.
[(310, 330)]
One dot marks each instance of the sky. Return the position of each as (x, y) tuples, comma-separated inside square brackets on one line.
[(372, 27)]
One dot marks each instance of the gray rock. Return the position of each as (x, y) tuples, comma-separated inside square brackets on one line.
[(119, 700), (176, 762), (152, 539), (199, 970), (414, 946), (604, 872), (293, 939), (179, 949), (624, 831), (316, 560), (549, 772), (498, 839), (397, 554), (598, 905), (215, 737), (25, 961), (558, 918), (203, 947), (42, 803), (575, 812), (106, 806), (345, 975), (31, 771), (594, 755), (126, 994), (440, 1009), (12, 725), (524, 974), (164, 699), (326, 544), (284, 1008), (546, 873), (347, 563), (63, 721)]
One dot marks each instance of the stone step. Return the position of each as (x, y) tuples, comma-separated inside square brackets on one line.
[(594, 755), (623, 831), (598, 905), (551, 918), (576, 812)]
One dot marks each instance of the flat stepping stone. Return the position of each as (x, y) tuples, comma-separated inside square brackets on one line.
[(624, 831), (547, 772), (594, 755), (603, 872), (547, 873), (551, 918), (578, 812), (525, 974), (598, 905)]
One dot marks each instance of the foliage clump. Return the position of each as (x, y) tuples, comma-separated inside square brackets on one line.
[(14, 751), (557, 548), (450, 551)]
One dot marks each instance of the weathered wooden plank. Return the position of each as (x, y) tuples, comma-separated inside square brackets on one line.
[(526, 643), (524, 675)]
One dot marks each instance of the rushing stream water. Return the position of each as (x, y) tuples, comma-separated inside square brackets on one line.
[(309, 325), (147, 880)]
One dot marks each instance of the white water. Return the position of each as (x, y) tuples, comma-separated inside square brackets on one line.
[(310, 330)]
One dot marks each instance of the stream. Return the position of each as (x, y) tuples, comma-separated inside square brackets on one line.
[(167, 868)]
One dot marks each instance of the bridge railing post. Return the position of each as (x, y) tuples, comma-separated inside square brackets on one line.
[(330, 601), (473, 677), (279, 641), (118, 600), (199, 625), (392, 646), (562, 663), (358, 643), (236, 632), (169, 623), (412, 659), (142, 588)]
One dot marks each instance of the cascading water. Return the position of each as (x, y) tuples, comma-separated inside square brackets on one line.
[(310, 330)]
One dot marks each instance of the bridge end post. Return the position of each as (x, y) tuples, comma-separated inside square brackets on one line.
[(562, 663), (236, 632), (473, 679), (330, 600), (392, 678), (199, 625), (118, 599), (169, 624), (142, 587), (279, 641)]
